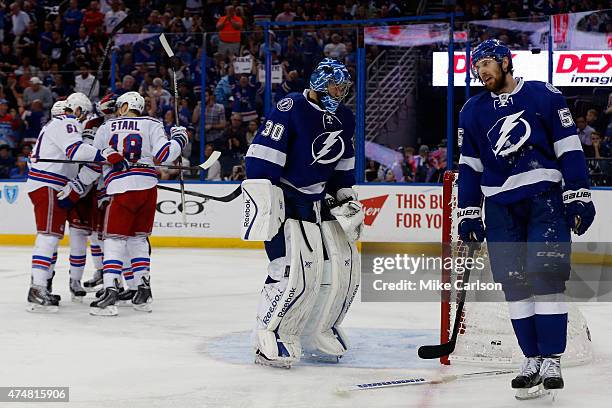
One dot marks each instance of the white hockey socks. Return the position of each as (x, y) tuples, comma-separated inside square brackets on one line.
[(97, 250), (78, 252), (45, 249), (127, 273), (138, 248), (114, 249)]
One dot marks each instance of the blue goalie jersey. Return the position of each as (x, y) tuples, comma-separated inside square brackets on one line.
[(516, 145), (304, 149)]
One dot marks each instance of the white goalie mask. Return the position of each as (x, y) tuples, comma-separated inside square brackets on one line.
[(58, 108), (134, 100), (79, 100)]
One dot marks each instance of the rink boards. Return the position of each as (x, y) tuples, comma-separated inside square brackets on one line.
[(393, 213)]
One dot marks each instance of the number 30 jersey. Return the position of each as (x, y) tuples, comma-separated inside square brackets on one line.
[(141, 140), (59, 139)]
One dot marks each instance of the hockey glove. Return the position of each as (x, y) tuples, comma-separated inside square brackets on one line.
[(115, 159), (470, 227), (70, 193), (349, 215), (179, 134), (88, 136), (579, 209)]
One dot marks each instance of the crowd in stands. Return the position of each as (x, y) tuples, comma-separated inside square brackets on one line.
[(47, 52)]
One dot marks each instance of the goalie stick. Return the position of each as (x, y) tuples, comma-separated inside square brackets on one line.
[(401, 382), (116, 29), (440, 350)]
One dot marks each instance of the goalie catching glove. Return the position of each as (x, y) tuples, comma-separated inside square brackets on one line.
[(349, 215)]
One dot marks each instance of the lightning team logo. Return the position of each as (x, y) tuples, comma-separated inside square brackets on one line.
[(327, 148), (508, 134)]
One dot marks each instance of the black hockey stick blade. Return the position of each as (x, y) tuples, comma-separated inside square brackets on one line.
[(437, 350), (224, 199)]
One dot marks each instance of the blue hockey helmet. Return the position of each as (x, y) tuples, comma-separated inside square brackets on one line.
[(330, 72), (490, 49)]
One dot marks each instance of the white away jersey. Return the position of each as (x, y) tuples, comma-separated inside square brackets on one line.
[(59, 139), (142, 141)]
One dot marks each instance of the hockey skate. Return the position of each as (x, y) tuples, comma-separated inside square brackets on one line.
[(552, 380), (261, 359), (106, 304), (76, 291), (529, 383), (50, 288), (94, 282), (125, 297), (142, 299), (40, 300)]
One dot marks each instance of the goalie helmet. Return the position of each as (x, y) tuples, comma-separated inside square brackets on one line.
[(79, 100), (58, 108), (330, 72), (494, 49), (107, 105), (134, 100)]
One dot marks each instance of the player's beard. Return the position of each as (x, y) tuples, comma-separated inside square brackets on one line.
[(498, 83)]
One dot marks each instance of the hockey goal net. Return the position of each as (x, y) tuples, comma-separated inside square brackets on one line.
[(486, 335)]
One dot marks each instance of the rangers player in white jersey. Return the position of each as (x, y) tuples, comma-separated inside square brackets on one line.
[(54, 188), (131, 212)]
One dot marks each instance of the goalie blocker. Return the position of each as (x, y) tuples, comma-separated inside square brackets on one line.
[(313, 274)]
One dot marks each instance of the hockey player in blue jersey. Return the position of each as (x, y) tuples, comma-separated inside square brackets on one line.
[(303, 151), (520, 150)]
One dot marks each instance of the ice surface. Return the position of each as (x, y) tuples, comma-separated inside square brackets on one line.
[(193, 350)]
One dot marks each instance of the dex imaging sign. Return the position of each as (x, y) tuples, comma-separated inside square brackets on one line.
[(570, 68)]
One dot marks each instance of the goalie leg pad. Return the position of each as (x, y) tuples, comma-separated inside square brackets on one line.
[(263, 210), (290, 292), (341, 279)]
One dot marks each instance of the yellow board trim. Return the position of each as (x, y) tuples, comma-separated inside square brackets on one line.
[(171, 242)]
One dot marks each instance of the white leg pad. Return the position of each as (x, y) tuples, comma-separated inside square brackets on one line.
[(286, 304), (341, 279)]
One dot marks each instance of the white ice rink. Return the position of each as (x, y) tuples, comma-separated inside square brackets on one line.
[(193, 350)]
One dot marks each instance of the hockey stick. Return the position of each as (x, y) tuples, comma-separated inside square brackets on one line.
[(225, 199), (161, 166), (170, 53), (421, 380), (118, 27), (441, 350)]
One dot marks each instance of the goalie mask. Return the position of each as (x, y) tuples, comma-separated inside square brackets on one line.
[(493, 49), (331, 73)]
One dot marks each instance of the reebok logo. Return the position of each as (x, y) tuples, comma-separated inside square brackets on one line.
[(372, 207)]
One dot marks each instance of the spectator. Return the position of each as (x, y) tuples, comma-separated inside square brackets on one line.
[(229, 27), (33, 120), (235, 129), (214, 120), (584, 131), (114, 16), (596, 149), (7, 162), (157, 93), (293, 83), (245, 94), (423, 168), (214, 172), (593, 120), (127, 85), (287, 15), (37, 91), (335, 49), (8, 135), (19, 18), (72, 20), (93, 17), (371, 172), (20, 172), (251, 132), (83, 83), (238, 173)]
